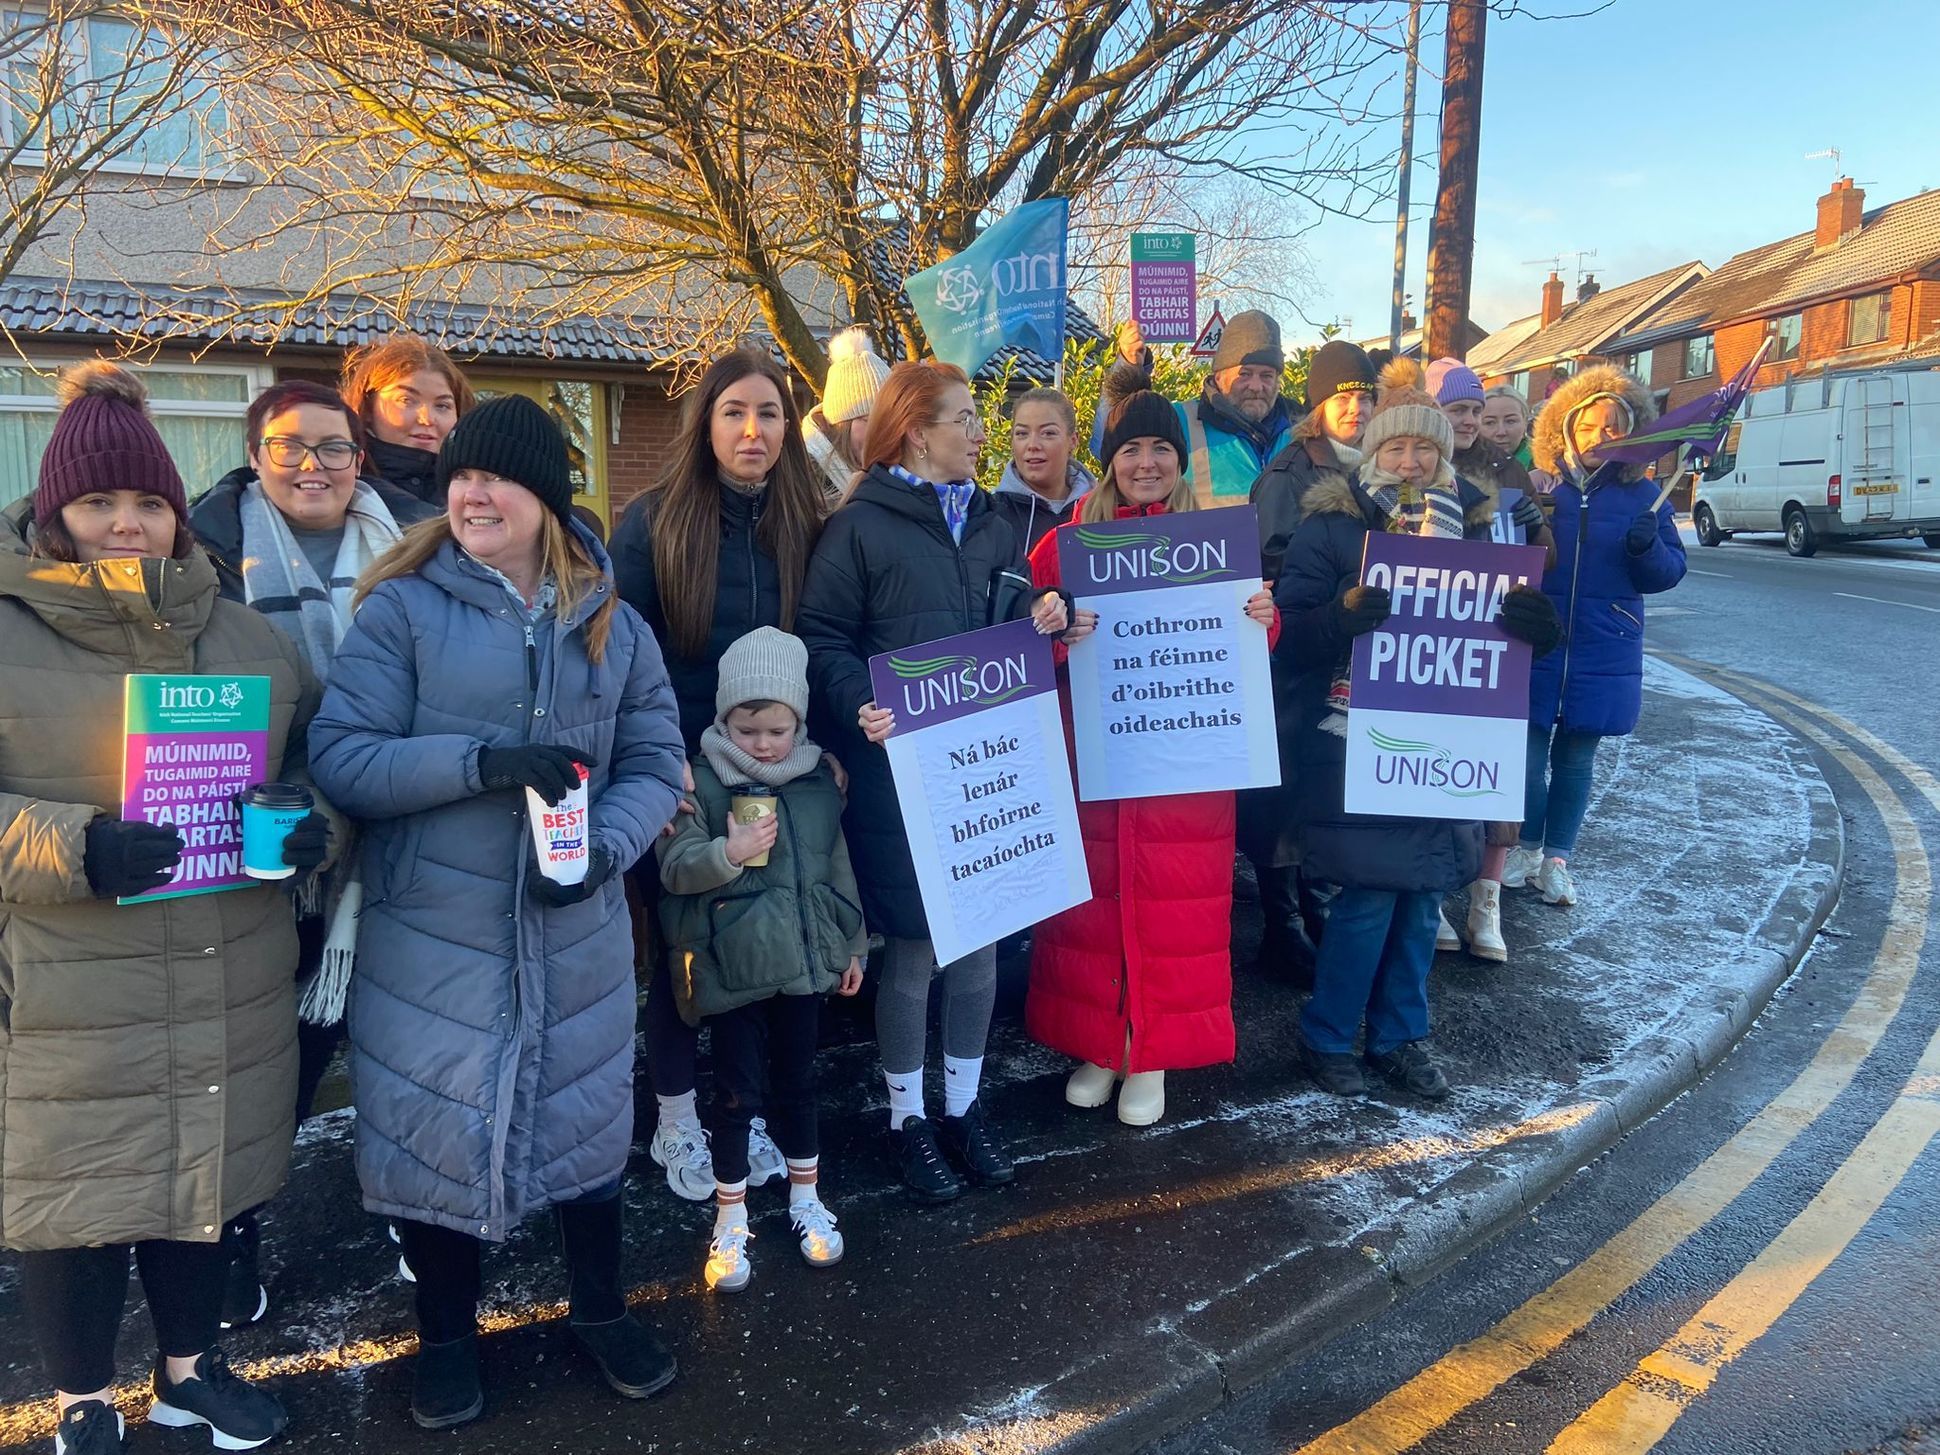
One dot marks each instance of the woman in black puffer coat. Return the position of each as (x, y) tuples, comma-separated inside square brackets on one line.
[(916, 553), (715, 549)]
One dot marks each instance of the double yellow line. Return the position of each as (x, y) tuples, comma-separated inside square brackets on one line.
[(1635, 1415)]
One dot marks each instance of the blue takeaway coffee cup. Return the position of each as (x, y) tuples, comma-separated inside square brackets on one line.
[(269, 812)]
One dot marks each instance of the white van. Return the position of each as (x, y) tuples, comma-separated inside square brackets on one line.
[(1829, 457)]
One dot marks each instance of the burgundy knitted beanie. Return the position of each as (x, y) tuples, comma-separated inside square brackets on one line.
[(104, 440)]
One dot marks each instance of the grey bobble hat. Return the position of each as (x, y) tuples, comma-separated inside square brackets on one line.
[(1251, 337), (765, 665)]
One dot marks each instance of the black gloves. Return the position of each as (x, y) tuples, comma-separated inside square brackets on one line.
[(1363, 608), (306, 847), (554, 895), (125, 857), (1527, 514), (547, 771), (1529, 616), (1643, 530)]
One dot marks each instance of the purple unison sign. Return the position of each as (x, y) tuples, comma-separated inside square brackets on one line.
[(1438, 706), (1165, 286), (984, 783), (1173, 693)]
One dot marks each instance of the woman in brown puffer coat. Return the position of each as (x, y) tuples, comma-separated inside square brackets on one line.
[(147, 1050)]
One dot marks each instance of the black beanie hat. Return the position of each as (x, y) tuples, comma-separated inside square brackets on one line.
[(1339, 368), (515, 439), (1138, 415)]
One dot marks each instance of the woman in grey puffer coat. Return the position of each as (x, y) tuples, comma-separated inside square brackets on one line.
[(491, 1018)]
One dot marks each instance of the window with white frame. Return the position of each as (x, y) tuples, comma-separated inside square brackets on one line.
[(1638, 366), (1700, 357), (124, 83), (1786, 334), (198, 411), (1872, 319)]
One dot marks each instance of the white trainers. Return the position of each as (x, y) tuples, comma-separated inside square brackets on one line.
[(1090, 1085), (765, 1162), (682, 1150), (1445, 936), (1555, 883), (1485, 940), (814, 1224), (1521, 866), (728, 1269)]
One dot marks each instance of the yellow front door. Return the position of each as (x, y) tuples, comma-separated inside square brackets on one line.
[(578, 406)]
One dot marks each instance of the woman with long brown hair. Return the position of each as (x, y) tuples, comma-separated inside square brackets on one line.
[(491, 1021), (715, 549), (916, 553)]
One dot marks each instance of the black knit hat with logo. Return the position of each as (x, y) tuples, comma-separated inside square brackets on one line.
[(1339, 367), (1137, 416), (515, 439)]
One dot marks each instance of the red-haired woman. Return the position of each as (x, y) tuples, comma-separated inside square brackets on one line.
[(715, 549), (915, 553), (409, 394)]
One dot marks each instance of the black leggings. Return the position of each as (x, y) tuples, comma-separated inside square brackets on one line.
[(446, 1265), (768, 1044), (74, 1298)]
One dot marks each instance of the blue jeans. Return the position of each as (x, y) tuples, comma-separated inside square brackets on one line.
[(1556, 794), (1373, 964)]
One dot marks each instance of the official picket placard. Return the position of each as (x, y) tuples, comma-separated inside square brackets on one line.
[(984, 783), (1438, 702), (1165, 286), (189, 746), (1503, 528), (1173, 693)]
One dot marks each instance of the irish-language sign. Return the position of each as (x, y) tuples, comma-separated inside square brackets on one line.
[(1173, 692), (190, 745), (1503, 527), (1438, 705), (1165, 287), (984, 784)]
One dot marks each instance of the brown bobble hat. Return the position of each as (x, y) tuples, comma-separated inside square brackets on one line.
[(104, 440)]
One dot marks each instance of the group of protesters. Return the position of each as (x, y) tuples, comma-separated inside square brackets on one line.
[(447, 636)]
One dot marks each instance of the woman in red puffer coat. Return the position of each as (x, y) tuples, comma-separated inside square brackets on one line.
[(1137, 981)]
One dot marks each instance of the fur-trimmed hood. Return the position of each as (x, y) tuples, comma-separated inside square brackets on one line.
[(1546, 434), (1333, 494)]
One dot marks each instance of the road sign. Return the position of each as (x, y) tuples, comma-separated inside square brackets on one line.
[(1207, 344), (1165, 286)]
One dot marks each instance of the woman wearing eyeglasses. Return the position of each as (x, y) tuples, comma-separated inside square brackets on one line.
[(290, 533), (915, 553)]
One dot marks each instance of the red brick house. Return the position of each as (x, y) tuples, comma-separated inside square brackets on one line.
[(1859, 288), (1559, 338)]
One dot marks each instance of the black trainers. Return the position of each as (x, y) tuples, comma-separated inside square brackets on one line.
[(925, 1174), (1335, 1071), (1410, 1067), (239, 1415), (89, 1427), (244, 1299), (444, 1384), (969, 1141), (632, 1359)]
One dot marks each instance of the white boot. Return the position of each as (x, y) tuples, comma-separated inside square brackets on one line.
[(1090, 1085), (1485, 940), (1445, 936), (1141, 1101)]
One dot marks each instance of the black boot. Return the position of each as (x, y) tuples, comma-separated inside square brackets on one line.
[(926, 1176), (969, 1140), (444, 1384), (1286, 951), (630, 1358)]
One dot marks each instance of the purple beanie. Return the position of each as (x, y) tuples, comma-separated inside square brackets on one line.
[(103, 439), (1451, 379)]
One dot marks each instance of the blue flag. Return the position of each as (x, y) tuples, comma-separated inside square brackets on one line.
[(1007, 287)]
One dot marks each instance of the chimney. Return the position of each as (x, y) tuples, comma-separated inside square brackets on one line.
[(1839, 213), (1552, 300), (1407, 321), (1588, 288)]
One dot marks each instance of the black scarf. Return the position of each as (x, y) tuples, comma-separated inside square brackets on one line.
[(410, 470)]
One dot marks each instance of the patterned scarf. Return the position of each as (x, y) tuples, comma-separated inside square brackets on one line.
[(953, 495)]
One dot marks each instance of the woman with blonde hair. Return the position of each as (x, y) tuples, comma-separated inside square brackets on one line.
[(491, 1022), (409, 394)]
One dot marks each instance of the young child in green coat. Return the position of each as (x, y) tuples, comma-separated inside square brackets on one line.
[(762, 920)]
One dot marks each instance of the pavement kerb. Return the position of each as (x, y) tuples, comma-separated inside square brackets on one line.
[(1278, 1318)]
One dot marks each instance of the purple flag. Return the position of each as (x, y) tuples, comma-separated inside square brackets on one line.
[(1700, 425)]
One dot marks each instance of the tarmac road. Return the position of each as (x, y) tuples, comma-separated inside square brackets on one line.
[(1755, 1271)]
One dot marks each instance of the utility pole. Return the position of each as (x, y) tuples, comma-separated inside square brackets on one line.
[(1406, 171), (1451, 249)]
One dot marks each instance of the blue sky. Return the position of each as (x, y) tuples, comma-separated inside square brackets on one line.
[(1591, 138)]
